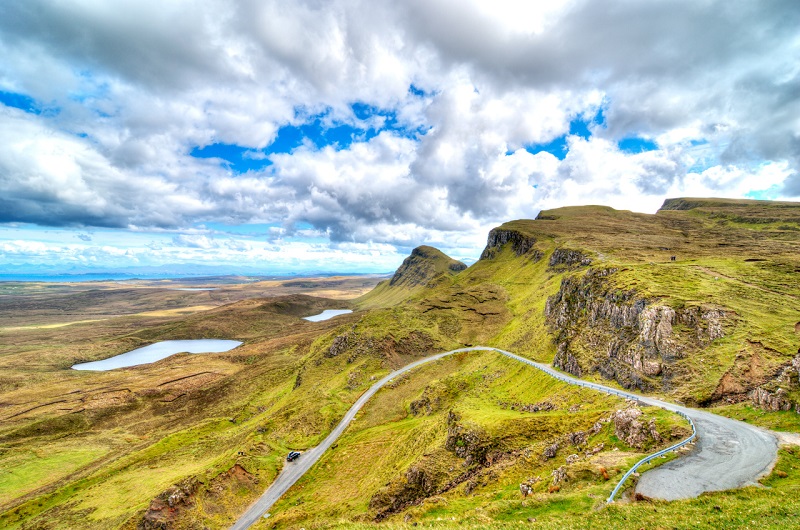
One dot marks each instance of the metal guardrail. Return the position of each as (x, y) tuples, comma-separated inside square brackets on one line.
[(244, 522), (648, 458), (551, 372)]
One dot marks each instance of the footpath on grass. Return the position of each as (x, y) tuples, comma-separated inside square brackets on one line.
[(728, 453)]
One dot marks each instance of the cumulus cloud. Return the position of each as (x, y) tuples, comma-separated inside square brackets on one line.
[(461, 98), (194, 241), (234, 255)]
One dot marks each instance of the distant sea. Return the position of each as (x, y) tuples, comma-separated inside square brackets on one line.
[(198, 277), (92, 277)]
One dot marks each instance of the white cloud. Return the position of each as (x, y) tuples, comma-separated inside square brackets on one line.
[(202, 242), (128, 91)]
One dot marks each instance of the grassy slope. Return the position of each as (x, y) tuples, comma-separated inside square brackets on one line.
[(275, 393), (159, 432), (773, 507), (387, 440), (738, 256)]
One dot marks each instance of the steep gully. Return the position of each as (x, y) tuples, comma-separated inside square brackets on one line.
[(728, 453)]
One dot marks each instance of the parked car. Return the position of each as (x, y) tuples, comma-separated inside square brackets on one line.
[(292, 456)]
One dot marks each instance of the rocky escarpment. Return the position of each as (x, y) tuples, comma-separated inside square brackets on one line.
[(779, 392), (520, 244), (425, 266), (567, 258), (393, 349), (624, 336), (173, 507)]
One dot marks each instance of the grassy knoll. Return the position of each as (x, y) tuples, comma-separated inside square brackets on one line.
[(24, 471)]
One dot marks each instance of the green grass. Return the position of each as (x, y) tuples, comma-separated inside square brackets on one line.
[(386, 441), (776, 506), (24, 471), (784, 420)]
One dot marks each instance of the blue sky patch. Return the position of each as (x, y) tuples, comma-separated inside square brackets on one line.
[(317, 132), (556, 147), (19, 101), (578, 127), (704, 154), (417, 91), (769, 194), (246, 229), (237, 158), (635, 145), (387, 118)]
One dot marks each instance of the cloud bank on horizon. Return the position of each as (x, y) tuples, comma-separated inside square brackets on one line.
[(336, 135)]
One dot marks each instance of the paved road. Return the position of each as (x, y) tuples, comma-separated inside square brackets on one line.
[(292, 471), (728, 454)]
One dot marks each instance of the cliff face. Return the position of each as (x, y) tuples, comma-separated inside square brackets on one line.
[(623, 336), (566, 258), (520, 244)]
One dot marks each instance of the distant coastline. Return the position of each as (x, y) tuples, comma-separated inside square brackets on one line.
[(206, 278)]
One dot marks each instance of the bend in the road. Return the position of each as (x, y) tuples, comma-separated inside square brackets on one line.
[(729, 454)]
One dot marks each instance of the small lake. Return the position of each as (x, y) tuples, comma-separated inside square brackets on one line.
[(328, 313), (159, 350)]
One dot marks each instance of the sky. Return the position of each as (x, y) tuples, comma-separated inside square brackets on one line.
[(335, 136)]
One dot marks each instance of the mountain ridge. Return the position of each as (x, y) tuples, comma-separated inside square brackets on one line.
[(641, 298)]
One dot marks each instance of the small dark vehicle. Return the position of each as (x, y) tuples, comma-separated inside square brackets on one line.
[(294, 455)]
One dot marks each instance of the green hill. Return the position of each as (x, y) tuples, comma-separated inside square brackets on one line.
[(425, 268)]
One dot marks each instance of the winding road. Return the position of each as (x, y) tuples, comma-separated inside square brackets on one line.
[(728, 453)]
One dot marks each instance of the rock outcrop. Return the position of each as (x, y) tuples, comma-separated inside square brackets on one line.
[(164, 509), (567, 258), (559, 475), (174, 506), (622, 335), (418, 483), (469, 443), (520, 243), (338, 346), (550, 451), (771, 401), (577, 438), (629, 427), (564, 360), (393, 349)]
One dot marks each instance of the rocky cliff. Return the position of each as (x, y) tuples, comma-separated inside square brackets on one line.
[(520, 243), (624, 336)]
